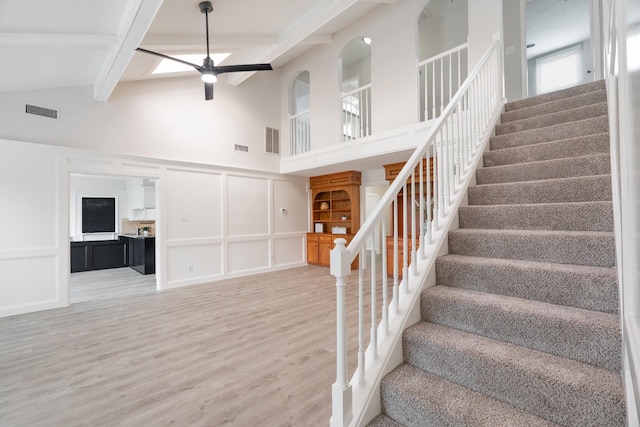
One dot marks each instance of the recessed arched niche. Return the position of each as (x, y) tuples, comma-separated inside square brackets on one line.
[(442, 54), (355, 88), (300, 114)]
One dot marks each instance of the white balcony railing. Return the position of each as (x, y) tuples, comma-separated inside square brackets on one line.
[(356, 113), (439, 78), (452, 150), (300, 131)]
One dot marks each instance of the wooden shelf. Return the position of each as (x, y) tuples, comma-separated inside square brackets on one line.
[(333, 196)]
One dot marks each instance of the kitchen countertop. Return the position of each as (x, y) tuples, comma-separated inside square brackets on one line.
[(139, 236)]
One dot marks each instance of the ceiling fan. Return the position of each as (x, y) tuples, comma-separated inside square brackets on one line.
[(208, 71)]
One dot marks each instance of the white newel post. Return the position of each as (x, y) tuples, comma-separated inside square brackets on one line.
[(341, 397)]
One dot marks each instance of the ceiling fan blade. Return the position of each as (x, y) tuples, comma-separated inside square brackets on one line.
[(150, 52), (208, 91), (246, 67)]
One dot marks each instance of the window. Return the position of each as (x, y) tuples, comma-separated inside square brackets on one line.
[(559, 70)]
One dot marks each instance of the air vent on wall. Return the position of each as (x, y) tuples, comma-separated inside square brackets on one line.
[(41, 111), (241, 148), (272, 138)]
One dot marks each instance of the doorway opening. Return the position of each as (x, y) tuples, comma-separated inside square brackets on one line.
[(560, 51), (112, 232)]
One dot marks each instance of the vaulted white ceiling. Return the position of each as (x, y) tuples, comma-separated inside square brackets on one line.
[(61, 43)]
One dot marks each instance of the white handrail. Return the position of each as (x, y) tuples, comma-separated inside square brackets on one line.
[(452, 147), (444, 54)]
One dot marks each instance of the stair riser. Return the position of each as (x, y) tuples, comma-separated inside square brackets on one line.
[(591, 289), (552, 119), (581, 189), (537, 392), (573, 147), (554, 96), (572, 333), (555, 106), (596, 250), (593, 216), (550, 169), (551, 133)]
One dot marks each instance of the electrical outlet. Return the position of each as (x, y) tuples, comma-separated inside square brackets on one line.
[(190, 267), (184, 218), (510, 50)]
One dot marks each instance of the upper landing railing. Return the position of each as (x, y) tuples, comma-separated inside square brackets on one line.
[(439, 78)]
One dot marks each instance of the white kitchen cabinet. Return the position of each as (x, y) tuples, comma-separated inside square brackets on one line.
[(143, 197), (142, 203)]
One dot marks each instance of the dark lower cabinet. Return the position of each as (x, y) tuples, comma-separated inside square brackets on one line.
[(98, 255), (138, 253), (142, 254)]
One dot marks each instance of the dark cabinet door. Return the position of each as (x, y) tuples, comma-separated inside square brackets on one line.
[(97, 255), (79, 258), (143, 255)]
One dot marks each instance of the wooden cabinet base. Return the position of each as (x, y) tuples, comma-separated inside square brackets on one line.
[(319, 247)]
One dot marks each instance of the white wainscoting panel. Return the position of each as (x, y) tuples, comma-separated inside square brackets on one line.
[(29, 284), (288, 250), (193, 264), (287, 195), (194, 208), (248, 205), (247, 256)]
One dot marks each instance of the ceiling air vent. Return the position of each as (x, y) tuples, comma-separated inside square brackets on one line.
[(241, 148), (41, 111)]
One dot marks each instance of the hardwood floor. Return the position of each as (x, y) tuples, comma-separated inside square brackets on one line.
[(111, 283), (253, 351)]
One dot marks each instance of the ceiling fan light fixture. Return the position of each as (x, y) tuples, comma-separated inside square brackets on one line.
[(208, 77), (209, 71)]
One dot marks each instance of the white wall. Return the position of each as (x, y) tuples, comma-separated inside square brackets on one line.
[(515, 55), (213, 222), (485, 20), (90, 186), (161, 118), (440, 35)]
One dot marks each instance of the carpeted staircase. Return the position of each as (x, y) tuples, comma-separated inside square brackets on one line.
[(522, 328)]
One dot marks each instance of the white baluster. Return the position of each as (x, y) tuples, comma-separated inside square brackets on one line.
[(396, 307), (385, 278), (414, 235), (374, 330), (405, 241), (341, 396), (361, 345), (421, 208)]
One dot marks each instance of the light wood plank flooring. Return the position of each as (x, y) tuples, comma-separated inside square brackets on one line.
[(111, 283), (253, 351)]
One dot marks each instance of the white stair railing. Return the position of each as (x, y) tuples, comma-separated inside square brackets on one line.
[(356, 113), (439, 78), (300, 131), (451, 151)]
